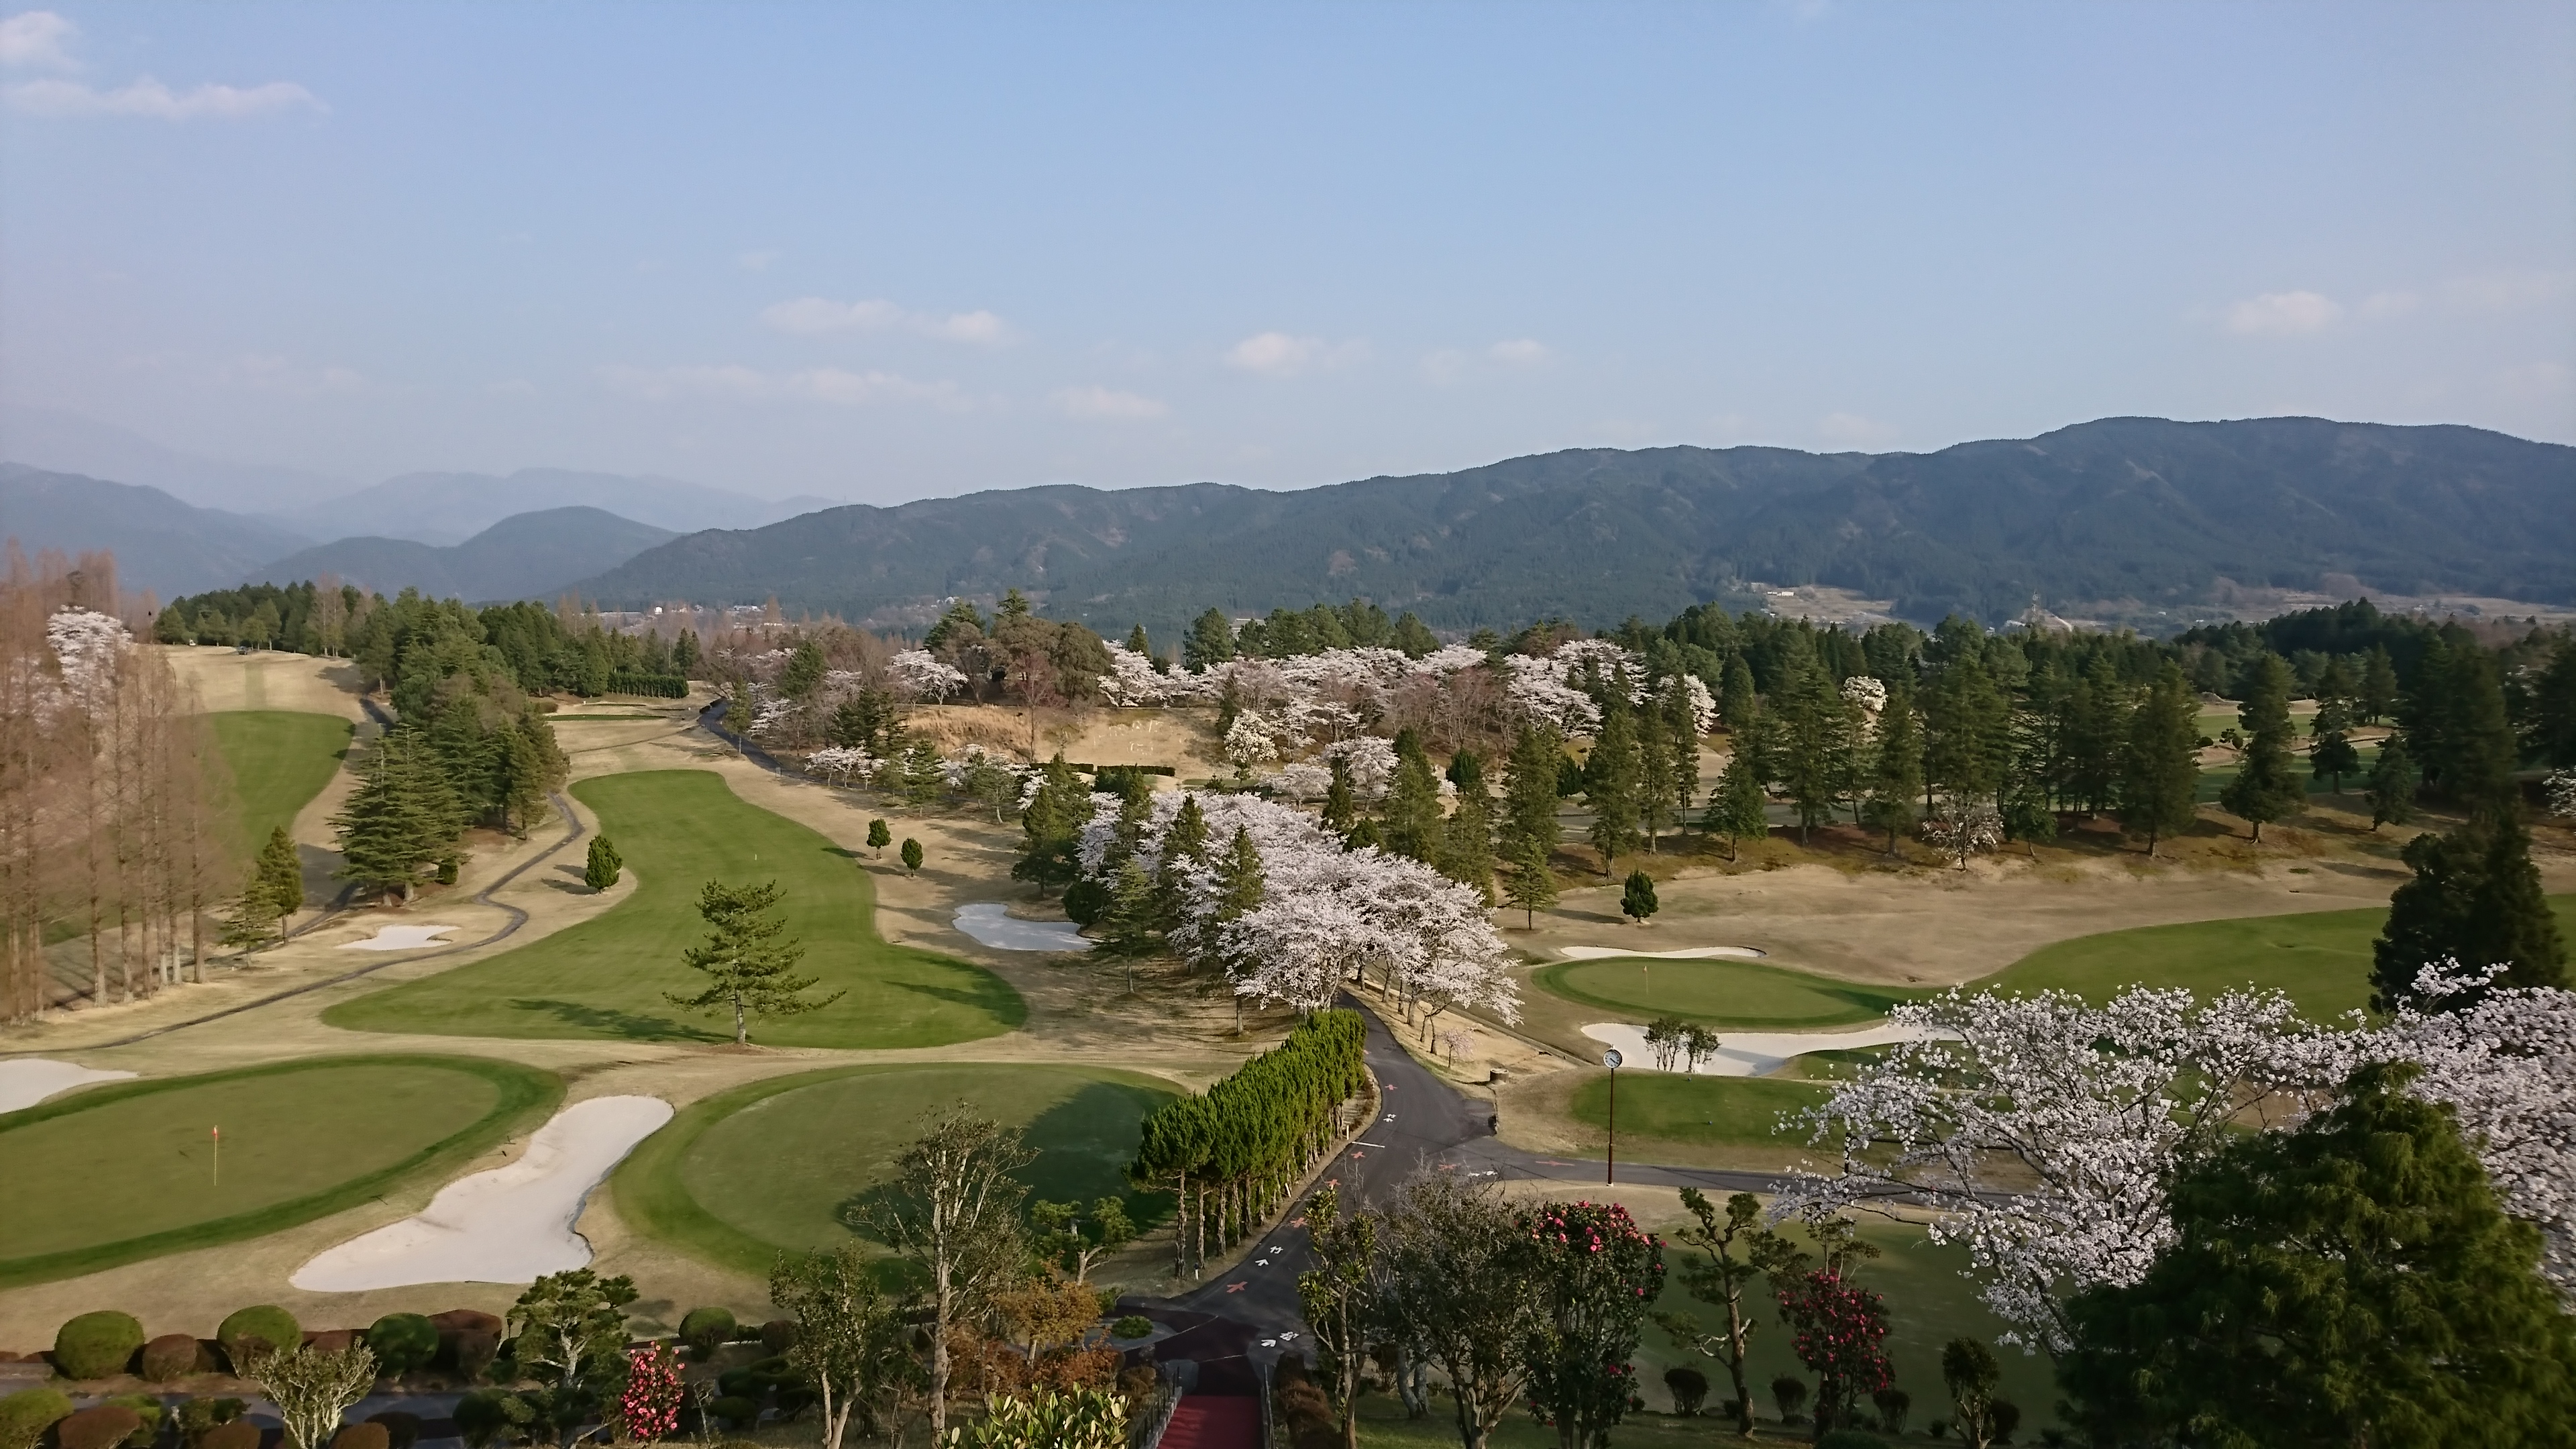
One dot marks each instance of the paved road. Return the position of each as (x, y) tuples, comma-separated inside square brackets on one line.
[(1424, 1124)]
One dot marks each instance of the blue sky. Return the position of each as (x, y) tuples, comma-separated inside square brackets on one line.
[(885, 252)]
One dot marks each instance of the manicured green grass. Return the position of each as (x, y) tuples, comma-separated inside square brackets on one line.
[(1721, 992), (2215, 779), (280, 760), (1699, 1111), (117, 1173), (776, 1165), (2322, 959), (606, 978)]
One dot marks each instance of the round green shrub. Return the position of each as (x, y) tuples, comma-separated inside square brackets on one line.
[(778, 1335), (732, 1411), (171, 1356), (739, 1383), (28, 1413), (1134, 1325), (401, 1430), (402, 1342), (95, 1345), (201, 1417), (1086, 901), (481, 1417), (265, 1328), (236, 1434), (473, 1352), (704, 1328), (103, 1426), (369, 1435)]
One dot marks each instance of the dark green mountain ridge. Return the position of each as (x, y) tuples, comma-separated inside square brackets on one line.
[(527, 555), (2136, 509)]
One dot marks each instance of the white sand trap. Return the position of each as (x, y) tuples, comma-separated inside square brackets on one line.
[(1695, 953), (400, 938), (509, 1225), (989, 923), (29, 1080), (1745, 1053)]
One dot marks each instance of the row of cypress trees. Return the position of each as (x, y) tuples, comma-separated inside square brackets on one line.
[(1234, 1152)]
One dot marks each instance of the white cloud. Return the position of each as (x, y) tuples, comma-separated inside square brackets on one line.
[(151, 99), (819, 384), (1519, 352), (1106, 404), (820, 316), (1279, 354), (35, 37), (2283, 314), (1851, 432)]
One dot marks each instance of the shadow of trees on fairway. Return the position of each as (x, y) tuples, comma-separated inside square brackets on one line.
[(632, 1024)]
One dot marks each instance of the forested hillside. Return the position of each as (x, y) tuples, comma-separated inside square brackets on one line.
[(525, 556), (2121, 509), (160, 543)]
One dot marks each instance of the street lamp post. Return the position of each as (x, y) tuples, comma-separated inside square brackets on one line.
[(1610, 1168)]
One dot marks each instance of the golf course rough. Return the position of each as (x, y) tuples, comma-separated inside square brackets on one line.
[(780, 1165), (1718, 991), (610, 977), (134, 1170)]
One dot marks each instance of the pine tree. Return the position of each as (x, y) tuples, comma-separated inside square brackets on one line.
[(2475, 900), (1736, 705), (684, 653), (1637, 897), (1610, 783), (2330, 753), (1654, 772), (1413, 802), (1139, 642), (1681, 758), (1530, 791), (2267, 785), (1967, 731), (1209, 642), (804, 671), (1341, 801), (880, 835), (910, 854), (1053, 824), (1184, 849), (1532, 886), (1816, 739), (601, 869), (1239, 890), (280, 874), (2160, 768), (2377, 698), (746, 961), (2096, 728), (400, 817), (1739, 807), (1897, 781), (2392, 785), (1467, 845)]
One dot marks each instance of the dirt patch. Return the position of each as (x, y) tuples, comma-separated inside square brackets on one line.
[(226, 679)]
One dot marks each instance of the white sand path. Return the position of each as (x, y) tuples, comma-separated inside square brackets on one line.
[(1694, 953), (990, 923), (29, 1080), (508, 1225), (1745, 1053), (400, 938)]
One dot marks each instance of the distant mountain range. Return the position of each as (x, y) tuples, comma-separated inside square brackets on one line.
[(160, 543), (529, 555), (2119, 512), (446, 508)]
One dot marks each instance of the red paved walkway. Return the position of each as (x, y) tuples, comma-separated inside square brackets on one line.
[(1215, 1421)]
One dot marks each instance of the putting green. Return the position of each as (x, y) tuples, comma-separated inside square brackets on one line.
[(1721, 992), (2322, 958), (606, 978), (117, 1173), (773, 1166), (1699, 1111), (280, 760)]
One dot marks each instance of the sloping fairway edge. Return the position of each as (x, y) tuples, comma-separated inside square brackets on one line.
[(55, 1169), (280, 760), (606, 978)]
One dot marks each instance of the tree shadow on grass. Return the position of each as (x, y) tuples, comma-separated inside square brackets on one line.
[(609, 1021)]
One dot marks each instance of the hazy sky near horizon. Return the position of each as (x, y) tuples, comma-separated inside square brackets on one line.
[(887, 252)]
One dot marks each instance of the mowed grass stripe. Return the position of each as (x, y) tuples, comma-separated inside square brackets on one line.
[(280, 759), (2321, 958), (776, 1166), (606, 978), (1720, 992), (118, 1173)]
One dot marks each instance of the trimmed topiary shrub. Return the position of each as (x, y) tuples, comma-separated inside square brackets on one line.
[(402, 1342), (1134, 1325), (369, 1435), (462, 1320), (173, 1356), (704, 1328), (332, 1340), (149, 1410), (474, 1352), (252, 1331), (1302, 1406), (28, 1413), (239, 1434), (401, 1430), (734, 1412), (104, 1426), (96, 1345), (778, 1335), (740, 1383), (1689, 1389), (199, 1418)]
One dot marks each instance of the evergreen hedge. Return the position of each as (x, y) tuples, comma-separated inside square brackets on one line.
[(96, 1345)]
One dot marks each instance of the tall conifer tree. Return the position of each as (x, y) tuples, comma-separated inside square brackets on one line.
[(2267, 785), (1897, 782), (1413, 802), (2160, 768), (1610, 779)]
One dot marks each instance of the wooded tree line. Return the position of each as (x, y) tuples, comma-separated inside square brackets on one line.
[(1232, 1153), (114, 832)]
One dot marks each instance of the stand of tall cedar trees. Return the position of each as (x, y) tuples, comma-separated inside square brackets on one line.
[(114, 836), (1235, 1152)]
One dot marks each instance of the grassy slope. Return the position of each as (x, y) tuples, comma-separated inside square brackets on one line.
[(1699, 1111), (774, 1164), (280, 760), (606, 977), (117, 1173), (2322, 959), (1723, 992)]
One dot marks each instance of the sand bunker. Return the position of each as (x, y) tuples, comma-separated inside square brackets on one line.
[(508, 1225), (1695, 953), (989, 923), (1745, 1053), (400, 938), (29, 1080)]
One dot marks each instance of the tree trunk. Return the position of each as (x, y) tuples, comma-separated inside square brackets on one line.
[(741, 1028)]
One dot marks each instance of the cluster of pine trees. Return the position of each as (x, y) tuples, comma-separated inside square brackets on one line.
[(1289, 633), (1234, 1152)]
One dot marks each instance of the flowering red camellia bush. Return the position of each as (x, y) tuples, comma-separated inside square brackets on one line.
[(1598, 1275), (1839, 1332), (650, 1407)]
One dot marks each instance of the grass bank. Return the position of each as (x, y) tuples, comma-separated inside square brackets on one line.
[(280, 759)]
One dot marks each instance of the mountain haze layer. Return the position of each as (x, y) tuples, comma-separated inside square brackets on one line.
[(447, 508), (529, 555), (2140, 510), (160, 543)]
